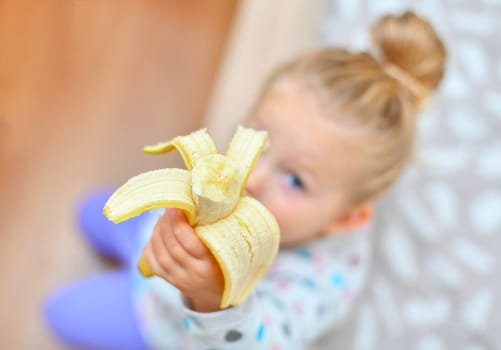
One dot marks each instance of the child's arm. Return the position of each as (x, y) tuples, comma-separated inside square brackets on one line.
[(291, 309), (297, 302), (176, 254)]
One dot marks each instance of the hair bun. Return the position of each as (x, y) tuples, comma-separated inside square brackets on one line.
[(409, 43)]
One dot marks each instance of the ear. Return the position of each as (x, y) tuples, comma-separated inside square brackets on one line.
[(351, 219)]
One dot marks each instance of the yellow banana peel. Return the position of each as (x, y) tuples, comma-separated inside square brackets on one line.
[(240, 232)]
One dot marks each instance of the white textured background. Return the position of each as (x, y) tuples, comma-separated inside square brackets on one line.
[(436, 279)]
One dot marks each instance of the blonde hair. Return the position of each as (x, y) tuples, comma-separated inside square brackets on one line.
[(378, 95)]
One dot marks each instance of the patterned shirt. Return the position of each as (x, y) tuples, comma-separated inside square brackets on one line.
[(305, 293)]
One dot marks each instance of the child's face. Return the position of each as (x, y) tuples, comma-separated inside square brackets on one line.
[(302, 176)]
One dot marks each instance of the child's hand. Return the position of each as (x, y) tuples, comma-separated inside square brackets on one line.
[(176, 254)]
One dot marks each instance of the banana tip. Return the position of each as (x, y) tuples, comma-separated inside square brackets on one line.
[(109, 216)]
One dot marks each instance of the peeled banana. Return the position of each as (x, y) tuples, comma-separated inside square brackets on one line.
[(239, 231)]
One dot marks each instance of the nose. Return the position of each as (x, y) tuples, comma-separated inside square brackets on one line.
[(256, 180)]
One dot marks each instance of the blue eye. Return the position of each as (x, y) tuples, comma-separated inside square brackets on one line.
[(295, 181)]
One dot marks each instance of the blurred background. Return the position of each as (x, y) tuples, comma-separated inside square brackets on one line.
[(84, 84)]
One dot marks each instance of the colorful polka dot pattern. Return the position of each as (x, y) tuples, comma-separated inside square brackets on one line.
[(304, 289), (290, 304)]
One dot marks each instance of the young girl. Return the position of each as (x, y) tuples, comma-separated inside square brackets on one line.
[(341, 127)]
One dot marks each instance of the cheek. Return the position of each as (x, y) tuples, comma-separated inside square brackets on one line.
[(281, 214), (295, 214), (291, 216)]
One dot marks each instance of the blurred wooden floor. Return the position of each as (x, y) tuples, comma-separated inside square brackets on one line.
[(83, 85)]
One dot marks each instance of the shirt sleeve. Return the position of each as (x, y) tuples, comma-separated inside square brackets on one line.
[(305, 294)]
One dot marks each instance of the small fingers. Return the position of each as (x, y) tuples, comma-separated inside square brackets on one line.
[(162, 246), (185, 236), (173, 247), (154, 265)]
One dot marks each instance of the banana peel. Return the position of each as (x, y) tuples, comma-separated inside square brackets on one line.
[(240, 232)]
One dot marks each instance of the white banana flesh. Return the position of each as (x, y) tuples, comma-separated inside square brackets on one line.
[(216, 182), (239, 231)]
